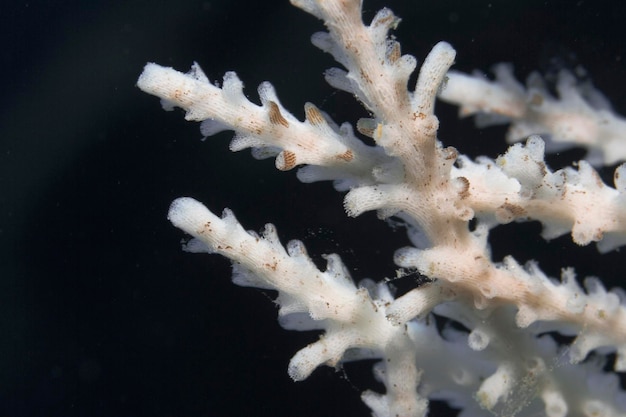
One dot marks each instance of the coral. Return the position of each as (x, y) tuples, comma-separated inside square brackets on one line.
[(501, 354)]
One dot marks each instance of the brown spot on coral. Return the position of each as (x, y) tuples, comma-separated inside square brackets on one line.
[(271, 266), (543, 168), (313, 115), (419, 115), (286, 160), (450, 153), (366, 126), (365, 77), (508, 212), (465, 184), (179, 95), (385, 21), (346, 156), (394, 54), (276, 118)]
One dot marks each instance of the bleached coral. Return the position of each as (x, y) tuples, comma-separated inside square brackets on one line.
[(449, 204), (578, 116)]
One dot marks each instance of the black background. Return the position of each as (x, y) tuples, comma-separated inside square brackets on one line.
[(101, 314)]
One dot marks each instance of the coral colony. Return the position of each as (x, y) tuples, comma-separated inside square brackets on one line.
[(503, 362)]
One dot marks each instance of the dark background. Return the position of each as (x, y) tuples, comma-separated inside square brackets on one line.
[(101, 314)]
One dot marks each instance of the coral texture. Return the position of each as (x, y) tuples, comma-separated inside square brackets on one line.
[(500, 355)]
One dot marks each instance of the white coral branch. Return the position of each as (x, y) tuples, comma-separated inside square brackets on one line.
[(351, 317), (520, 186), (267, 128), (578, 116)]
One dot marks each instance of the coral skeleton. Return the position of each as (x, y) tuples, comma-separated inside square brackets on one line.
[(501, 357)]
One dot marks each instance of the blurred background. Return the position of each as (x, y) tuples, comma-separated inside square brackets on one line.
[(101, 313)]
